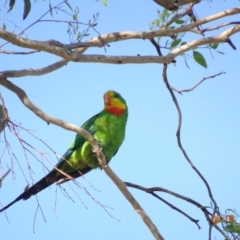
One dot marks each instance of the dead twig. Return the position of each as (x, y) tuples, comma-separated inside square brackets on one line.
[(192, 88)]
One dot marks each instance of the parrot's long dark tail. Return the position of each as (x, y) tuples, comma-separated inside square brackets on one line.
[(39, 186), (48, 180)]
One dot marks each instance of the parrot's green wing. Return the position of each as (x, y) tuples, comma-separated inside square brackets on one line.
[(78, 142)]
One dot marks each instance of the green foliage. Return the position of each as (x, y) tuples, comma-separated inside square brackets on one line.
[(3, 117), (76, 29), (27, 8), (175, 43), (69, 6), (104, 2), (11, 5), (199, 58), (73, 25), (50, 9), (214, 45), (179, 21), (162, 22), (233, 228), (164, 14), (166, 19), (229, 222)]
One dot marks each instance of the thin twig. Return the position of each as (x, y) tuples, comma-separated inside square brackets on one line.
[(220, 26), (177, 209), (178, 134), (18, 53), (192, 88)]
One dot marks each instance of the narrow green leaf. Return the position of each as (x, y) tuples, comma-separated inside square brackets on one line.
[(27, 8), (3, 117), (156, 22), (50, 9), (232, 227), (199, 59), (214, 45), (78, 35), (186, 62), (4, 26), (179, 21), (74, 16), (68, 4), (104, 2), (175, 42), (183, 43), (164, 13), (11, 5)]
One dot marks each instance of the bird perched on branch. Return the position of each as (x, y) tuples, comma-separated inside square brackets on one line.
[(107, 127)]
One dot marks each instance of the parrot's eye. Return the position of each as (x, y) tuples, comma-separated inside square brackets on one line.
[(116, 95)]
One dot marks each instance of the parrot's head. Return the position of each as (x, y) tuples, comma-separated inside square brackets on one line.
[(114, 103)]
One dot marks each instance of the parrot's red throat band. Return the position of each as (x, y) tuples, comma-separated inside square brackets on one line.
[(115, 110)]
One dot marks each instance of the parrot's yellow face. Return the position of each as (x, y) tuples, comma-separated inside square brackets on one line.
[(114, 103)]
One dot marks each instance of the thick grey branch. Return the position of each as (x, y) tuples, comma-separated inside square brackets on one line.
[(95, 58), (51, 46), (95, 146), (86, 58)]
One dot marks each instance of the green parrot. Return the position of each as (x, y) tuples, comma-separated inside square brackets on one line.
[(107, 127)]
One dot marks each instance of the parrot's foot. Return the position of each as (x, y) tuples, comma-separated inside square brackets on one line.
[(100, 146)]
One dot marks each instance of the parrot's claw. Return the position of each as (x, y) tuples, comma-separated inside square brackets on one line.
[(100, 146)]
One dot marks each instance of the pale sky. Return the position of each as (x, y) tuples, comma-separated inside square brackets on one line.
[(149, 155)]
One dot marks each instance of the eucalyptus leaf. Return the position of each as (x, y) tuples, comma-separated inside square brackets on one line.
[(199, 58)]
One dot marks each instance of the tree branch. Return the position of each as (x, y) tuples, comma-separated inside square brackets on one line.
[(33, 72), (223, 37), (179, 15), (78, 57), (205, 211), (178, 134), (220, 26), (196, 85), (96, 58), (59, 49), (20, 53), (96, 149)]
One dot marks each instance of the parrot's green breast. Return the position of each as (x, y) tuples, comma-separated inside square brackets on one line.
[(109, 131)]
